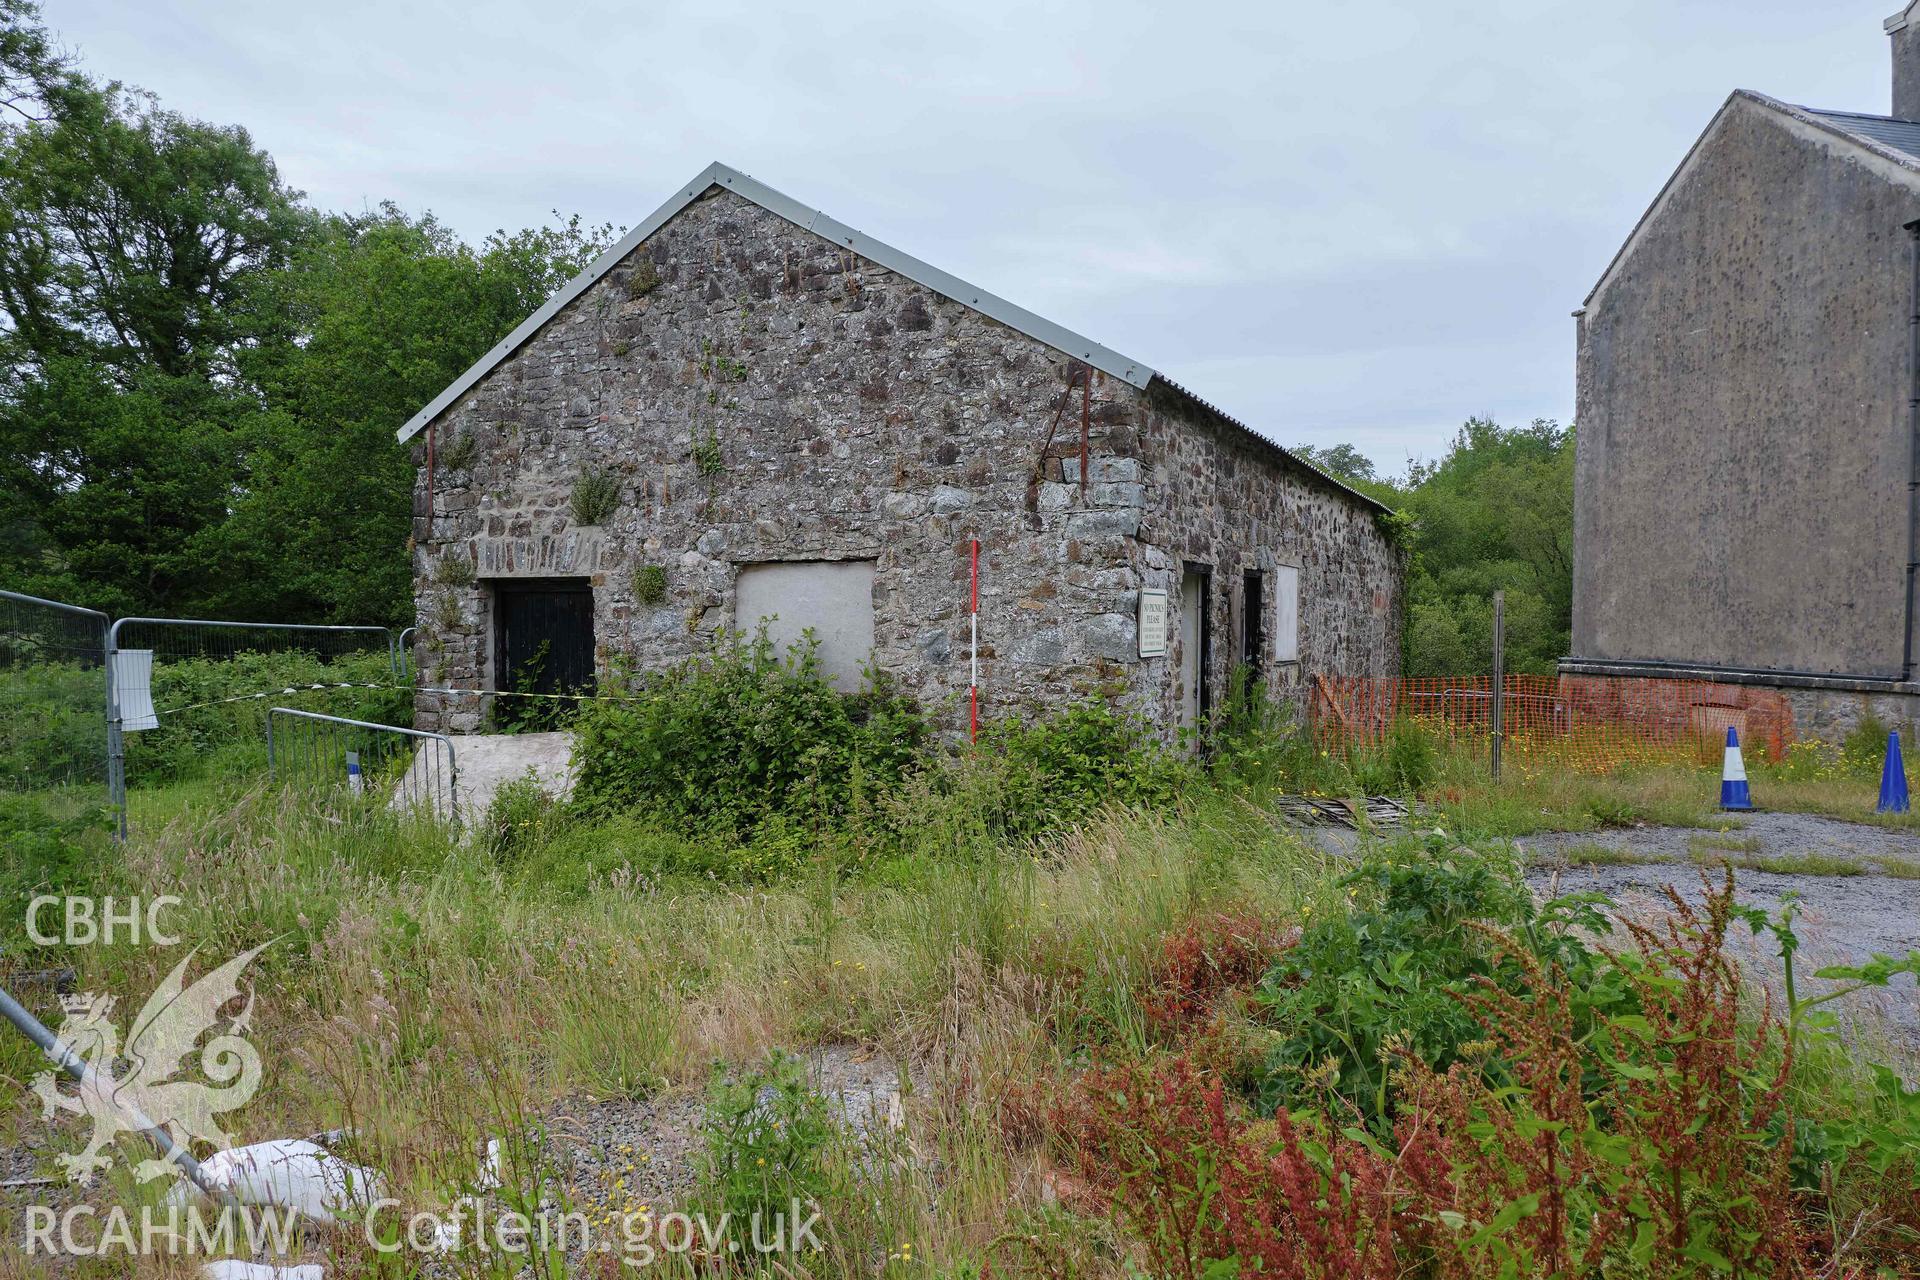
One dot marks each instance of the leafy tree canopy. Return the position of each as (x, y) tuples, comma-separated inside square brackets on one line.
[(200, 374), (1495, 512)]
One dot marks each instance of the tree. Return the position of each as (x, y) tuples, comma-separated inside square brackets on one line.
[(200, 376), (32, 69), (389, 309), (1495, 513), (130, 241), (1341, 461)]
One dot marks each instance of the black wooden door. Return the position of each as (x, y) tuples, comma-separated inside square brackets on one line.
[(543, 637)]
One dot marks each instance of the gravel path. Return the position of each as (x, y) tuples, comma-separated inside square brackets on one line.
[(1846, 917), (620, 1155), (1759, 835)]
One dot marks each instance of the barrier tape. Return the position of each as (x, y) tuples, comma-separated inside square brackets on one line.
[(347, 684)]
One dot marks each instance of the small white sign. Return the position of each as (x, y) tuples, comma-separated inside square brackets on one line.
[(1153, 623)]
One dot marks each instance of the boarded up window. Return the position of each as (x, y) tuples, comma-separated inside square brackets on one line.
[(1286, 614), (833, 598)]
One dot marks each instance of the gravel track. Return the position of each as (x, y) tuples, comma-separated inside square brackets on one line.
[(1845, 919)]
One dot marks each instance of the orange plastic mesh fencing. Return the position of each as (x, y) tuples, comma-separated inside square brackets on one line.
[(1594, 723)]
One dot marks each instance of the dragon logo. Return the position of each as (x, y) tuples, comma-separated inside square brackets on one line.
[(158, 1045)]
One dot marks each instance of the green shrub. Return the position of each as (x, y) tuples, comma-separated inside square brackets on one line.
[(708, 458), (726, 741), (1397, 967), (1864, 750), (1256, 741), (650, 584), (522, 818), (54, 842), (1402, 764), (53, 725), (533, 709), (1050, 774)]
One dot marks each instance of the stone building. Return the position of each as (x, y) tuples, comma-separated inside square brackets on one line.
[(1747, 414), (746, 410)]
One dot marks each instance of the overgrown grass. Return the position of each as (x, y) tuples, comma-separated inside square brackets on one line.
[(1031, 931), (1535, 796), (404, 965)]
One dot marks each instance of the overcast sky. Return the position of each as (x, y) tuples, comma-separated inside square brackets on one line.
[(1355, 222)]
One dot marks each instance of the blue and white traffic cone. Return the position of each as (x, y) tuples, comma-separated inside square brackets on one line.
[(1733, 775), (1893, 779)]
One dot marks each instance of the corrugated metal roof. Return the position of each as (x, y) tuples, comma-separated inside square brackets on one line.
[(1902, 135), (1134, 372), (1162, 381)]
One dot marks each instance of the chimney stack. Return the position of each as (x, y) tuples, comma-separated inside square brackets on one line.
[(1903, 28)]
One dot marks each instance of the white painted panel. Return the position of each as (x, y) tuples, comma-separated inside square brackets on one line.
[(1286, 614), (833, 597)]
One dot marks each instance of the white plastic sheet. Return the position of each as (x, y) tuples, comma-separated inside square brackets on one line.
[(292, 1173), (233, 1269), (133, 689)]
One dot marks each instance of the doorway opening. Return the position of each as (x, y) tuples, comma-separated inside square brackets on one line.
[(542, 645)]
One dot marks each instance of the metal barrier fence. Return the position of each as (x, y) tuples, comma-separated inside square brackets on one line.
[(1595, 723), (155, 690), (406, 769), (53, 688), (84, 699)]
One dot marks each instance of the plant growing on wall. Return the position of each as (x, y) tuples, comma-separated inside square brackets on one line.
[(457, 453), (446, 612), (708, 460), (453, 569), (596, 495), (717, 366), (643, 279), (650, 584)]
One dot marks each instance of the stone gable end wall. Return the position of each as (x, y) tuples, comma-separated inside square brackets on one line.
[(760, 394)]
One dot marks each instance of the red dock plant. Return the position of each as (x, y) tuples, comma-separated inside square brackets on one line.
[(1639, 1130)]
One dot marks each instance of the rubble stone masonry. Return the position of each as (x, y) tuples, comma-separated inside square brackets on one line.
[(760, 394)]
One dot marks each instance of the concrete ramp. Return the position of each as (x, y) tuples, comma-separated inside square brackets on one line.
[(484, 762)]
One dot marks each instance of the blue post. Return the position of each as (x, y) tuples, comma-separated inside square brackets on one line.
[(1893, 779), (1733, 775)]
